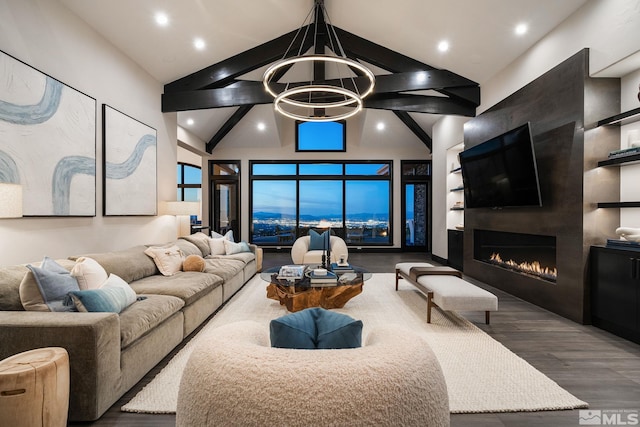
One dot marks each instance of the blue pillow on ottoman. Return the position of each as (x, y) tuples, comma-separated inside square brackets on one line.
[(316, 328)]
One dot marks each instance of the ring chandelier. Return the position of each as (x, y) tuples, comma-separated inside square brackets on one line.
[(301, 101)]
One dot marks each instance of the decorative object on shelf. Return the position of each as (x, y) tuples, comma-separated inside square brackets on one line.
[(633, 138), (10, 200), (629, 233), (638, 92), (333, 100), (624, 152), (129, 165), (48, 141)]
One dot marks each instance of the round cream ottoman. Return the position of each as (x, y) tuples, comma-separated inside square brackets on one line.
[(34, 388), (234, 377)]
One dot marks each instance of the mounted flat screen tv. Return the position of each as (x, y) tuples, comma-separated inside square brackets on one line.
[(501, 172), (321, 136)]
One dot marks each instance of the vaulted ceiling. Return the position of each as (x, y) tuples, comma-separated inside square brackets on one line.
[(397, 40)]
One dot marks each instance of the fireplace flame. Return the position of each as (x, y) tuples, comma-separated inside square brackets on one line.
[(526, 267)]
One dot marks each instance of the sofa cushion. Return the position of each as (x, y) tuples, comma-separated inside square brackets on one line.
[(245, 257), (129, 264), (46, 287), (224, 267), (228, 235), (189, 286), (89, 273), (168, 259), (144, 315), (10, 278), (316, 328), (201, 240), (114, 295), (187, 247)]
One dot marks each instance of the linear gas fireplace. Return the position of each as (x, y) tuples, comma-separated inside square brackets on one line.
[(528, 254)]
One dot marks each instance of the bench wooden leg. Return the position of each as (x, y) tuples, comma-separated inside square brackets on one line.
[(486, 317), (429, 305)]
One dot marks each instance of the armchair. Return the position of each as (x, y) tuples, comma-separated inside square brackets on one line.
[(300, 253)]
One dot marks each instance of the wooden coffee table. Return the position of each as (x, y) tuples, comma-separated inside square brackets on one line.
[(298, 295)]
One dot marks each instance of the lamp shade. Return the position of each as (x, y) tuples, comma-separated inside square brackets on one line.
[(180, 208), (10, 200)]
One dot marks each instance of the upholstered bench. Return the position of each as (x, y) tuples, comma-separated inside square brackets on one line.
[(446, 289)]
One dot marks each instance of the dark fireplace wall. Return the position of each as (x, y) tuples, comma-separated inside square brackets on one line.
[(558, 105)]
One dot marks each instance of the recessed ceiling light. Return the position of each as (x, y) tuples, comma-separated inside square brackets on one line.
[(198, 43), (261, 126), (443, 46), (521, 29), (190, 122), (162, 19), (380, 126)]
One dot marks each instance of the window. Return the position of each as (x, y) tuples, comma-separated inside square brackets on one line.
[(321, 136), (189, 183), (287, 199)]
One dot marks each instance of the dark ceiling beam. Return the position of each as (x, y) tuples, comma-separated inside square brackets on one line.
[(390, 60), (245, 92), (415, 128), (227, 126), (419, 104), (222, 73)]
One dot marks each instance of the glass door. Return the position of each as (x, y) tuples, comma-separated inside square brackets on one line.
[(225, 198), (416, 206)]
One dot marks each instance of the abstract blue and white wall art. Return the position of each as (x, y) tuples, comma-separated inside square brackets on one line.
[(130, 182), (47, 141)]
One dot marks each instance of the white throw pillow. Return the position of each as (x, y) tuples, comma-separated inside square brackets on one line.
[(228, 235), (168, 259), (89, 273), (217, 246)]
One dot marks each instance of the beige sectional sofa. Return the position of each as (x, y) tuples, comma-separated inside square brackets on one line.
[(108, 352)]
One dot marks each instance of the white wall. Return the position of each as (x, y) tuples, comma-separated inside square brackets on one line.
[(45, 35), (447, 132)]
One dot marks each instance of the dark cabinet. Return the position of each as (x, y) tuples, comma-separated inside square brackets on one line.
[(615, 291), (456, 247)]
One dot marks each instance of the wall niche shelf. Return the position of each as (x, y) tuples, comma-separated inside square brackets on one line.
[(620, 161), (622, 118), (619, 205)]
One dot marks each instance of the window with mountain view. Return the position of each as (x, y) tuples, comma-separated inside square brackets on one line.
[(289, 198)]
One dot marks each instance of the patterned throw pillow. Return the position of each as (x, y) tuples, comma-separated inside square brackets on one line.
[(167, 259), (45, 287), (231, 248), (113, 296)]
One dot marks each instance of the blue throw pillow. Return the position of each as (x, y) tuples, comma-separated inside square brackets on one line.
[(316, 328), (54, 282), (113, 296), (317, 241)]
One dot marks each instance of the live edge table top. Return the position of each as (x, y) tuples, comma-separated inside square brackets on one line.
[(300, 294)]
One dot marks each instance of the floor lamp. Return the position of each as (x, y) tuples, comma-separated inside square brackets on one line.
[(10, 200), (182, 211)]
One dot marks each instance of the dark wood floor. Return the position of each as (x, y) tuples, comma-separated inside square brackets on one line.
[(593, 365)]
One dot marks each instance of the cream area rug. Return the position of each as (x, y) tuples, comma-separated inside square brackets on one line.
[(481, 374)]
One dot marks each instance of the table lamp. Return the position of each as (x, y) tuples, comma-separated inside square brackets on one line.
[(182, 211)]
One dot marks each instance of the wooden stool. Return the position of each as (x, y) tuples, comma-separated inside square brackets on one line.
[(34, 388)]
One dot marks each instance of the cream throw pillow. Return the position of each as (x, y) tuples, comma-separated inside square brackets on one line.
[(89, 273), (234, 248), (168, 259), (217, 246)]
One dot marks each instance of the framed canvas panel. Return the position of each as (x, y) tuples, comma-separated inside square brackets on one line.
[(130, 165), (47, 141)]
